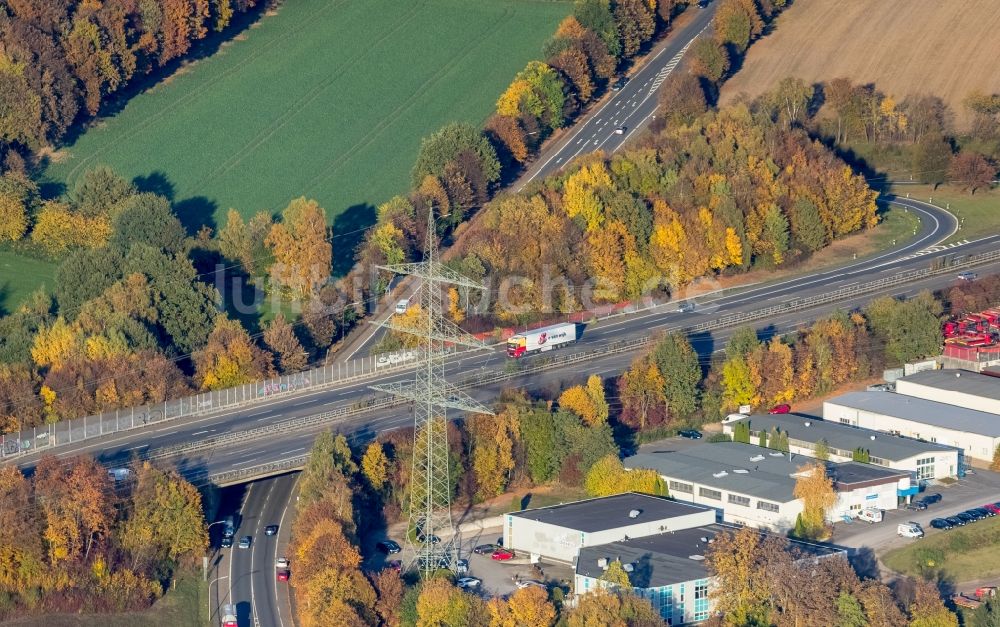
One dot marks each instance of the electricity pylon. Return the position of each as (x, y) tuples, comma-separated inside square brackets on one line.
[(431, 533)]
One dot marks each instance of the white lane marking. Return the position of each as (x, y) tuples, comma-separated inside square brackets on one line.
[(249, 461), (201, 432), (257, 413), (294, 450)]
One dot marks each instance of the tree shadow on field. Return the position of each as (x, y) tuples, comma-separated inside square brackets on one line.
[(4, 295), (155, 183), (195, 212), (348, 232)]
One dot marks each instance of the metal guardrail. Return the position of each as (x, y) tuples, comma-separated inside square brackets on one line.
[(944, 265)]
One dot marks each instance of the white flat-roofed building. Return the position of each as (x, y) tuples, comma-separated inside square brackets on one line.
[(961, 388), (754, 486), (558, 532), (977, 433), (926, 460)]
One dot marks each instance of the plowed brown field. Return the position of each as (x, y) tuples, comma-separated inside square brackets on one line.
[(943, 47)]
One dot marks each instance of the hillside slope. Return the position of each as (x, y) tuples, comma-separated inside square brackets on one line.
[(902, 46)]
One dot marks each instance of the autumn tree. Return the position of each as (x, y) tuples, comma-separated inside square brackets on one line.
[(709, 60), (441, 604), (641, 390), (17, 194), (927, 609), (588, 401), (621, 609), (492, 440), (737, 22), (815, 489), (245, 242), (389, 587), (681, 99), (77, 506), (375, 465), (302, 252), (280, 337), (537, 91), (932, 158), (636, 24), (230, 358), (608, 476), (739, 561), (527, 607), (971, 171), (450, 143)]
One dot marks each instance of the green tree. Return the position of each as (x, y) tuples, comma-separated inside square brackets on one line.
[(709, 59), (100, 191), (741, 432), (147, 219), (849, 611), (678, 363), (762, 439), (17, 195), (776, 233), (737, 387), (85, 275), (615, 577), (742, 343), (596, 16), (931, 159), (861, 455), (808, 226), (822, 450), (447, 144)]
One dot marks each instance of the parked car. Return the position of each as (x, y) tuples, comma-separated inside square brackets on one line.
[(955, 521), (282, 562), (917, 506), (975, 513), (389, 547), (966, 517), (270, 530), (245, 542), (402, 306), (461, 566), (468, 583), (931, 499), (433, 539), (993, 507), (226, 543), (691, 434), (502, 555), (941, 523), (283, 575), (985, 511), (528, 583), (396, 565), (871, 515), (483, 549), (784, 408), (909, 530), (618, 84)]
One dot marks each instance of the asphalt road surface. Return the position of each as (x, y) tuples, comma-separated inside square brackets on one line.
[(936, 225), (628, 109), (247, 578)]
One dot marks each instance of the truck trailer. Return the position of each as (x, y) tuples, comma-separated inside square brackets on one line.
[(543, 339)]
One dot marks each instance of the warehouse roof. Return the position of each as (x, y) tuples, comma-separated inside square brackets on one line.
[(843, 437), (669, 558), (964, 381), (730, 466), (610, 512), (848, 474), (922, 411)]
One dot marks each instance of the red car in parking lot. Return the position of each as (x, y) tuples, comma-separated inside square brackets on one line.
[(993, 507), (780, 409), (502, 555)]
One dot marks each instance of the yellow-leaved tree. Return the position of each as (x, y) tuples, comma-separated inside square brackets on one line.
[(375, 465), (230, 357), (587, 402), (302, 253), (815, 488)]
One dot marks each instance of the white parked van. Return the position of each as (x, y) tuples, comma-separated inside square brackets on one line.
[(909, 530), (402, 306), (870, 514)]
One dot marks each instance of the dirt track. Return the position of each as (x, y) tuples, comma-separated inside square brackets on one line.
[(943, 47)]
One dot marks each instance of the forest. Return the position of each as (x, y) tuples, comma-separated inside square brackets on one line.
[(74, 538)]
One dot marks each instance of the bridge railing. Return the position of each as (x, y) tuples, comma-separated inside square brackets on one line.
[(69, 432)]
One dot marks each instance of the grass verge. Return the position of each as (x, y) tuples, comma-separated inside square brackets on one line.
[(965, 554), (978, 214)]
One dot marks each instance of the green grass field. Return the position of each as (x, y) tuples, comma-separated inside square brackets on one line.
[(325, 98), (978, 213), (19, 276), (965, 554)]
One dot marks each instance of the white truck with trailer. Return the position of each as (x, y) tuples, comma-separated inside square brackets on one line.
[(543, 339)]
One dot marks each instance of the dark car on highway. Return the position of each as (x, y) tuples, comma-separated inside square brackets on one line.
[(690, 434), (227, 543), (940, 523), (389, 547), (270, 530), (955, 521), (484, 549)]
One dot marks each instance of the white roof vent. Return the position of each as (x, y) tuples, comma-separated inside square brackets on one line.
[(703, 539), (602, 563), (634, 513), (720, 474), (776, 454), (872, 437), (807, 423), (958, 375), (741, 471), (627, 568), (697, 558), (757, 458)]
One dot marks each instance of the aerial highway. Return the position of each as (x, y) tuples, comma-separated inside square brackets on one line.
[(936, 225), (246, 577)]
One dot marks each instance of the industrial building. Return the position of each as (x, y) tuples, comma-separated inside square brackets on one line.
[(961, 388), (668, 569), (977, 433), (557, 533), (926, 460), (754, 486)]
